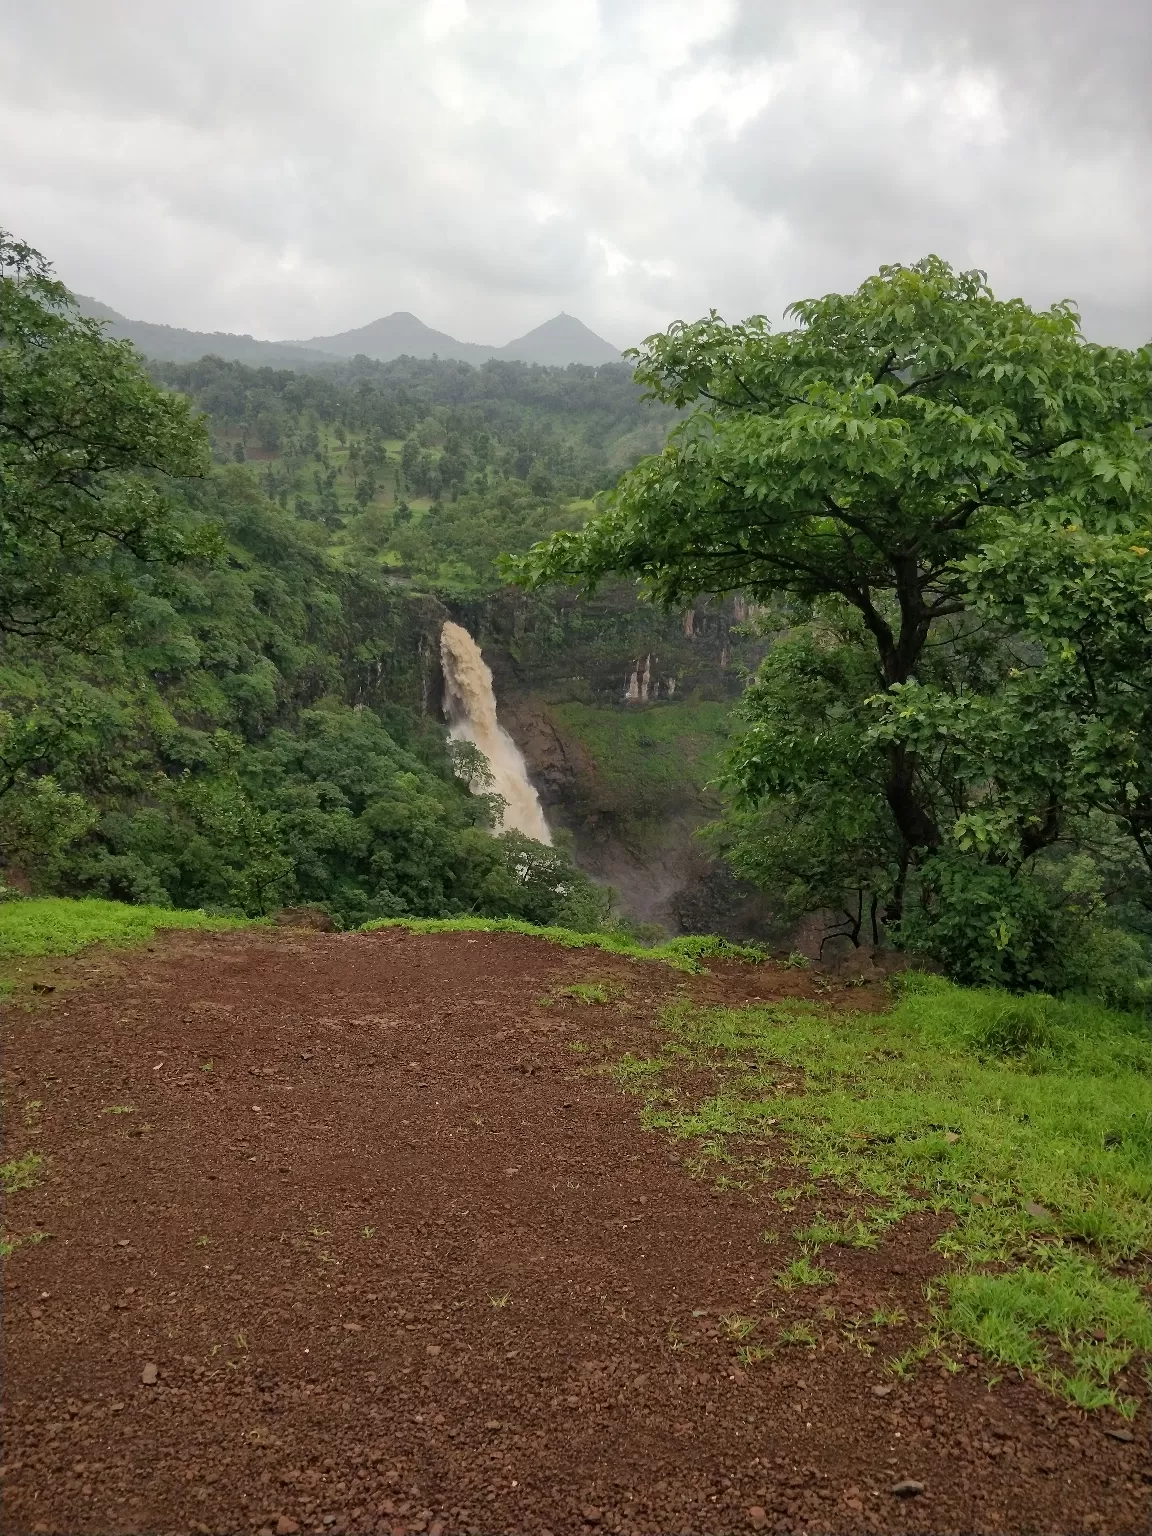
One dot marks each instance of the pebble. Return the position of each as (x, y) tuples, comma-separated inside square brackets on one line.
[(149, 1374), (907, 1488), (1124, 1435), (881, 1391), (285, 1526), (758, 1516)]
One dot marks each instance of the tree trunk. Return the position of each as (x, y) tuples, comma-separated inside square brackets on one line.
[(917, 829)]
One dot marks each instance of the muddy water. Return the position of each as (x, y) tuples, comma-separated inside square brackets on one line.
[(470, 705)]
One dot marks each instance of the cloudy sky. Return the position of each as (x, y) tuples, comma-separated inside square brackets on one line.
[(290, 169)]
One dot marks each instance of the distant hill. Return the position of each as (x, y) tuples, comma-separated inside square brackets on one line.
[(397, 335), (556, 343), (563, 339), (170, 344)]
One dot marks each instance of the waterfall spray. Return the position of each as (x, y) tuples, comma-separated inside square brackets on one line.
[(470, 705)]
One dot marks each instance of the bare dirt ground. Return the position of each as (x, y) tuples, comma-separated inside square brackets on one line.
[(376, 1250)]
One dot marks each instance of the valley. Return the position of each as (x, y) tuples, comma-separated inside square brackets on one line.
[(426, 473)]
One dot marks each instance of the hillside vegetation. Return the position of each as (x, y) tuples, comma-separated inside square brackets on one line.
[(186, 657), (219, 676), (427, 469)]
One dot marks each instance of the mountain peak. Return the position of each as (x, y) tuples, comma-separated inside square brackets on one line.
[(563, 339), (555, 343)]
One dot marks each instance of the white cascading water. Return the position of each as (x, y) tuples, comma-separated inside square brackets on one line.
[(470, 705)]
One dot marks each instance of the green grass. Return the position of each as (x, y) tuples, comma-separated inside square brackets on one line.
[(20, 1172), (798, 1333), (55, 925), (17, 1174), (1027, 1121), (586, 993), (802, 1271), (685, 954), (9, 1243)]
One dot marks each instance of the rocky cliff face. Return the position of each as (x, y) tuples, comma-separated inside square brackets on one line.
[(663, 873), (621, 713)]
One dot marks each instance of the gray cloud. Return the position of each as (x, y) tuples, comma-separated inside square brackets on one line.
[(268, 166)]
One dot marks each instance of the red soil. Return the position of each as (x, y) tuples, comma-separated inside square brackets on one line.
[(402, 1263)]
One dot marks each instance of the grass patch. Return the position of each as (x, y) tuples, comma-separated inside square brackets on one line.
[(20, 1172), (9, 1242), (798, 1333), (586, 993), (56, 925), (685, 954), (1029, 1121), (802, 1271)]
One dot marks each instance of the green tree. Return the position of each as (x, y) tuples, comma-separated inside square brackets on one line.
[(87, 444), (1059, 744), (807, 818), (861, 461)]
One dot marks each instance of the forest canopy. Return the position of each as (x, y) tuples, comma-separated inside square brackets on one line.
[(945, 499), (183, 661)]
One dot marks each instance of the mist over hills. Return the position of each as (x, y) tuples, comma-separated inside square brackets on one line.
[(172, 344), (556, 343)]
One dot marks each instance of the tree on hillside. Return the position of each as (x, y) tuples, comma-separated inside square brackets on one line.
[(86, 443), (856, 468)]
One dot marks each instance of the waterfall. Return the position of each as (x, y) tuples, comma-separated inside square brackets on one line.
[(470, 706)]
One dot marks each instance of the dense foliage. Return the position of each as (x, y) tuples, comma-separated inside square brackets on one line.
[(429, 469), (85, 446), (949, 500), (181, 675)]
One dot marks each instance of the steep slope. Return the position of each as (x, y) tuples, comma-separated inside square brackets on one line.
[(173, 344), (623, 715)]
